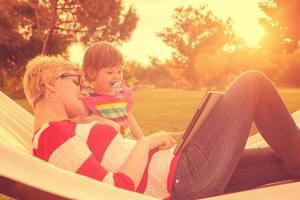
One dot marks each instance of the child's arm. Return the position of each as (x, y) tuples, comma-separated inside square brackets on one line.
[(134, 126)]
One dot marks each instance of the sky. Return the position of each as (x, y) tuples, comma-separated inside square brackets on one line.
[(156, 14)]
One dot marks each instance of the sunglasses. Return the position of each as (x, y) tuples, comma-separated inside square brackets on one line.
[(80, 81)]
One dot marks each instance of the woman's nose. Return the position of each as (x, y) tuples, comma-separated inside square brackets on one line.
[(84, 92)]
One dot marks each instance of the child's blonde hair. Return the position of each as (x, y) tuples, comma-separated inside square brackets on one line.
[(40, 71), (100, 55)]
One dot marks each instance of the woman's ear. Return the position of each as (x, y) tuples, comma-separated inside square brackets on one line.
[(50, 87), (51, 93)]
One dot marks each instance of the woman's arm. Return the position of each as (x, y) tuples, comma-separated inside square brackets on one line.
[(134, 126), (67, 151), (136, 163)]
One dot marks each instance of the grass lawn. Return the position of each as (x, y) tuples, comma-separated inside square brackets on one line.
[(170, 109)]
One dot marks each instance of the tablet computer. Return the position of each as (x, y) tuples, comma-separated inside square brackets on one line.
[(206, 105)]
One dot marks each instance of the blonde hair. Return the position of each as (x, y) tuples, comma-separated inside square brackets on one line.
[(40, 71), (100, 55)]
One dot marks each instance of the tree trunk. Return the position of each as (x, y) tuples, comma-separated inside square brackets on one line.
[(192, 73), (45, 49)]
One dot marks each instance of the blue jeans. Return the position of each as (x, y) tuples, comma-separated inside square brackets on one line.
[(216, 162)]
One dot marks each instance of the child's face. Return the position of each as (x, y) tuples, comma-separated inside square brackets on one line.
[(105, 79)]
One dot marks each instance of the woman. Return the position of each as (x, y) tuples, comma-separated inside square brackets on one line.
[(213, 163)]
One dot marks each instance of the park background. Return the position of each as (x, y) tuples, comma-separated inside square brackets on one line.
[(175, 50)]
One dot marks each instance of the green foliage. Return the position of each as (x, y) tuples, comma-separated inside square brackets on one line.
[(196, 32), (104, 20), (282, 25), (16, 45), (13, 87), (31, 27), (290, 77), (130, 72), (206, 52), (157, 73), (290, 70)]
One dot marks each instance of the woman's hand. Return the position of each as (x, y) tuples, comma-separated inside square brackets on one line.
[(176, 135), (161, 139)]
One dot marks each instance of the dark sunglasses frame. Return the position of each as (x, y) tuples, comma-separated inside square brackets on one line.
[(80, 81)]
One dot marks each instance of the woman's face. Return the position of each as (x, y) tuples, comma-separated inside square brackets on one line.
[(105, 79), (69, 86)]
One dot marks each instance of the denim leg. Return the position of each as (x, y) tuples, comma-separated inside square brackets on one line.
[(257, 167), (209, 161)]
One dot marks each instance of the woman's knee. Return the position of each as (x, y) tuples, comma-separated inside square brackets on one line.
[(253, 76), (250, 81)]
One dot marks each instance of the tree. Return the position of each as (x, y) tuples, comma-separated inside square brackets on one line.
[(131, 71), (49, 26), (288, 75), (282, 25), (196, 32), (17, 44), (84, 20), (159, 73)]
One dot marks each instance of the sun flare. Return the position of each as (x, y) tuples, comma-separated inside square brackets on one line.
[(75, 52), (244, 14), (251, 33), (245, 17)]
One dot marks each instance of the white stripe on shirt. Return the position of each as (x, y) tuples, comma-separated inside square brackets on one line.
[(36, 138), (75, 160), (109, 178)]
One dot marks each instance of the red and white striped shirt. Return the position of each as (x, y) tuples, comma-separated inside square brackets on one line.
[(98, 151)]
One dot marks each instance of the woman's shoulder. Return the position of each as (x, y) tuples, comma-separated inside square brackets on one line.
[(56, 127), (63, 124), (56, 131), (52, 132)]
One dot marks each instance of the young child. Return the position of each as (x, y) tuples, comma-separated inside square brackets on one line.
[(109, 98)]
